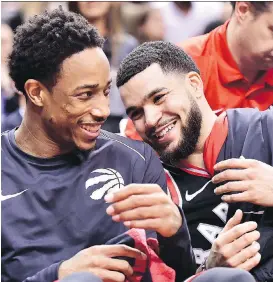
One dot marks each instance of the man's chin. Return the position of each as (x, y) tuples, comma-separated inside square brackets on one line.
[(86, 146)]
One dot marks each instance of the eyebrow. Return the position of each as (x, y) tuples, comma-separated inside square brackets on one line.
[(84, 86), (153, 92), (146, 97)]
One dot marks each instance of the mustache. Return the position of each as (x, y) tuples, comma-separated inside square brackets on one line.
[(150, 132)]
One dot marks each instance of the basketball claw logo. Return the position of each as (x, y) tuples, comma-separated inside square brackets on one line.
[(112, 180)]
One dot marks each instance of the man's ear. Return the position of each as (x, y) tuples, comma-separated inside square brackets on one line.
[(242, 10), (36, 92), (195, 83)]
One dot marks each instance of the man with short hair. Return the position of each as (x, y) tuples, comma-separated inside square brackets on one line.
[(60, 214), (162, 90), (236, 58)]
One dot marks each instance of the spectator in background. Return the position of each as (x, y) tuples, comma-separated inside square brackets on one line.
[(12, 14), (6, 48), (9, 101), (236, 59), (150, 26), (212, 25), (105, 16), (15, 118), (184, 19)]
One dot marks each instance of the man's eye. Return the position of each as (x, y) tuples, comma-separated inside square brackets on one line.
[(107, 92), (158, 98), (86, 94), (135, 115)]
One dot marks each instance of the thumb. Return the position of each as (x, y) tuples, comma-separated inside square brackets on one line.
[(235, 220)]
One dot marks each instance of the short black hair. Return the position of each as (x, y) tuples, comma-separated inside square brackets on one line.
[(258, 7), (170, 57), (42, 44)]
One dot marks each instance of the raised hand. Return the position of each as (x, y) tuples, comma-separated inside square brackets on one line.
[(251, 178), (145, 206), (236, 246)]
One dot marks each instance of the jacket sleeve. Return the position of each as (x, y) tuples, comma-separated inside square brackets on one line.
[(267, 125), (264, 271), (48, 274), (175, 251)]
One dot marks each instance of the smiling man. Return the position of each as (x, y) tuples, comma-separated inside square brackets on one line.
[(162, 90), (60, 170)]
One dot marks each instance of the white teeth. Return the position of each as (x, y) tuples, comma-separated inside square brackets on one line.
[(85, 127), (165, 131)]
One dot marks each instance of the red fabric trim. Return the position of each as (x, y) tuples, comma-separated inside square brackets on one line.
[(215, 141), (184, 165), (173, 189), (131, 132), (158, 269), (139, 237), (196, 173)]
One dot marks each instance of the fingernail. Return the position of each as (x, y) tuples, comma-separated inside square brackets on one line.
[(253, 223), (109, 198), (242, 157), (223, 198), (110, 210), (127, 223), (215, 190), (256, 245), (116, 217)]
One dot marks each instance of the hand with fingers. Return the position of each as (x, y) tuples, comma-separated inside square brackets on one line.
[(101, 261), (236, 246), (145, 206), (247, 181)]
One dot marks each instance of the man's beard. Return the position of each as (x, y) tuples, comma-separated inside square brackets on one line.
[(188, 140)]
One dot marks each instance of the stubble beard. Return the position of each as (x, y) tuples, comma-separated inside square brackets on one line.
[(190, 134)]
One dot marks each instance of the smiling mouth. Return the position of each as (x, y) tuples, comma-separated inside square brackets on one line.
[(162, 133), (90, 128)]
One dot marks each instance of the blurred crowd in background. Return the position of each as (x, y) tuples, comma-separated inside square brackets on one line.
[(124, 25)]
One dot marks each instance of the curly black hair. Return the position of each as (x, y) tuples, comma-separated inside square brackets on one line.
[(42, 44), (170, 57)]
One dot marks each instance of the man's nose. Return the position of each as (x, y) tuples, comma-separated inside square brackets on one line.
[(102, 110), (152, 116)]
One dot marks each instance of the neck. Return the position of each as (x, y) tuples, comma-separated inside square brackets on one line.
[(32, 139), (197, 158), (100, 24), (244, 64)]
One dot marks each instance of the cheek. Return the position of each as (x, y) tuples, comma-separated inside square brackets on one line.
[(139, 125), (62, 116)]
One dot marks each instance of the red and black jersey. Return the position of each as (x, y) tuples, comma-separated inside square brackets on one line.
[(205, 212), (236, 133)]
